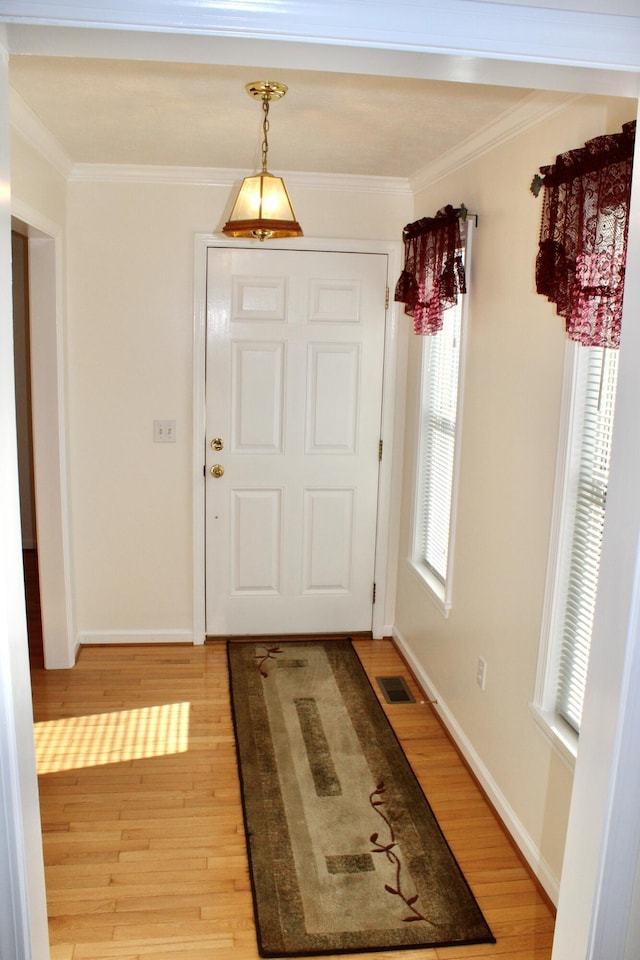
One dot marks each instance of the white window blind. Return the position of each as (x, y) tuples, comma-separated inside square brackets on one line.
[(440, 399), (439, 428), (583, 546)]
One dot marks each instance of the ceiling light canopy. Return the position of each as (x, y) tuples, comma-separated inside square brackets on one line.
[(262, 209)]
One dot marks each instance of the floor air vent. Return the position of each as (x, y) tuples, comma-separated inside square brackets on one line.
[(395, 690)]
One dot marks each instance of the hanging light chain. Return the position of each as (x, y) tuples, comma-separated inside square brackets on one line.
[(249, 216), (265, 130)]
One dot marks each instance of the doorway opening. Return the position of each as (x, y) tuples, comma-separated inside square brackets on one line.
[(41, 432), (22, 371)]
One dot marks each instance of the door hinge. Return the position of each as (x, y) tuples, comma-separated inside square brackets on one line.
[(380, 445), (386, 299), (373, 594)]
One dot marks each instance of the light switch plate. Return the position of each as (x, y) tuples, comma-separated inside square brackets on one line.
[(164, 431)]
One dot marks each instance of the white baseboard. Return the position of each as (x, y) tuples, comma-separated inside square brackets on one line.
[(134, 636), (520, 836)]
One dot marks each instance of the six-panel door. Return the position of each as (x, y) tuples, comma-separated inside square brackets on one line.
[(295, 345)]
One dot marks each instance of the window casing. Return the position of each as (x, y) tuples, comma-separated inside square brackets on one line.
[(440, 410), (574, 562)]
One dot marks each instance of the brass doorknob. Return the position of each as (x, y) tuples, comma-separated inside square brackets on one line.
[(217, 470), (217, 443)]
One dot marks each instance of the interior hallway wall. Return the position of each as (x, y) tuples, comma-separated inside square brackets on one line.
[(130, 331), (510, 421)]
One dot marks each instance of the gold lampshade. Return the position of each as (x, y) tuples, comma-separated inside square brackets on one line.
[(262, 209)]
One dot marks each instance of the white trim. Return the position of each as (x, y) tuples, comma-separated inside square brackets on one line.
[(14, 880), (386, 559), (91, 637), (538, 106), (430, 584), (522, 839), (466, 67), (228, 177), (489, 29), (202, 242), (49, 418), (559, 734), (465, 307), (618, 866), (23, 915), (384, 568), (543, 703), (149, 173), (32, 129)]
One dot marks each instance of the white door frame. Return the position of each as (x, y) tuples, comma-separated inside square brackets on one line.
[(392, 391), (49, 418)]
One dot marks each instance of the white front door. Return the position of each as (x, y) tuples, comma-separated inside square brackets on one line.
[(295, 348)]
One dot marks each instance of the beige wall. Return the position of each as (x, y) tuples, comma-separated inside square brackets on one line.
[(515, 352), (130, 330)]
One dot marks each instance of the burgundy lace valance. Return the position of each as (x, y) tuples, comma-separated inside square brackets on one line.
[(583, 236), (433, 273)]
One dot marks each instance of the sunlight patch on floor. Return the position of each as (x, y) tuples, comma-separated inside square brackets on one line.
[(114, 737)]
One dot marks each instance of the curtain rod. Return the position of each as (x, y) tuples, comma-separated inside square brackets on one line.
[(463, 214)]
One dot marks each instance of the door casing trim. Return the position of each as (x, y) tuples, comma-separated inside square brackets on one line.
[(49, 425), (393, 380)]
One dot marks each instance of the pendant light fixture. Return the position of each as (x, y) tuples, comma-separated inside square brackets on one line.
[(262, 209)]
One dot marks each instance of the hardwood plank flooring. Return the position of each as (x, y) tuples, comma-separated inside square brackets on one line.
[(142, 823)]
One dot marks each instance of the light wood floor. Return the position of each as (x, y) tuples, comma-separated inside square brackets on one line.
[(142, 824)]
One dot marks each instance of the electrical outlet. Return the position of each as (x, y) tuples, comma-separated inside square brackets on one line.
[(481, 672)]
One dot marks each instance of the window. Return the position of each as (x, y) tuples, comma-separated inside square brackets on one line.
[(580, 268), (581, 492), (439, 423)]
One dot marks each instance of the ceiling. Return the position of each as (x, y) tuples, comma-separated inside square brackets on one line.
[(199, 115)]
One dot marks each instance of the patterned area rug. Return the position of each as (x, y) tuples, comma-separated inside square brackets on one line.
[(345, 852)]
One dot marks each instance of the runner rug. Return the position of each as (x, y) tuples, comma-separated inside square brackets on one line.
[(345, 853)]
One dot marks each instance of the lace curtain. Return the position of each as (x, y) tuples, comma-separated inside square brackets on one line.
[(433, 273), (583, 236)]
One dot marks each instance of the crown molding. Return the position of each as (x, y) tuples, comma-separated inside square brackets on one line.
[(153, 173), (27, 123), (350, 183), (227, 177), (535, 108)]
